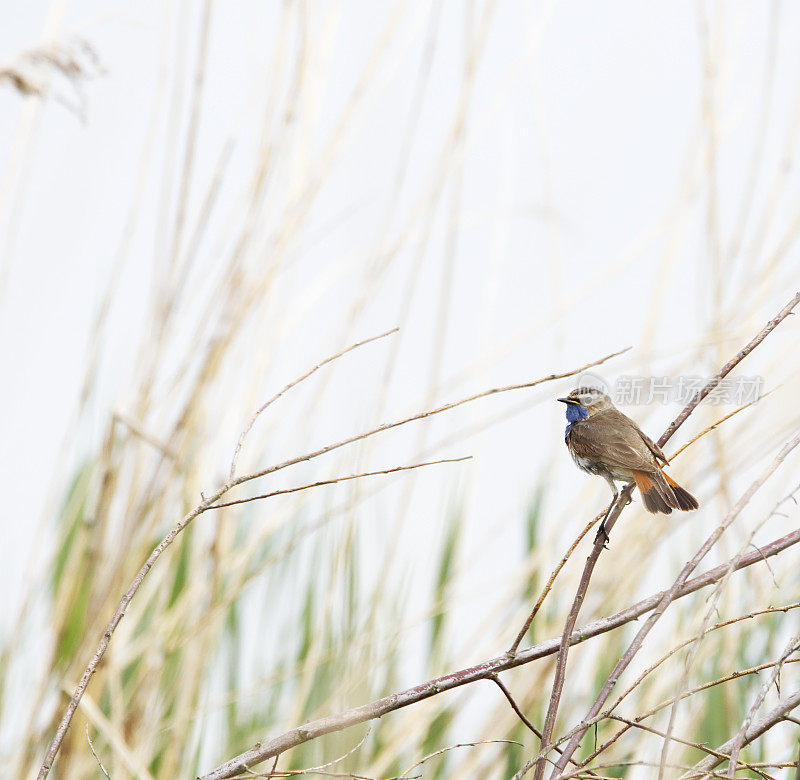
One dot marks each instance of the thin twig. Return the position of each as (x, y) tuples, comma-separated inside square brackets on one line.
[(797, 774), (685, 694), (380, 707), (94, 753), (634, 724), (650, 669), (719, 422), (651, 764), (459, 745), (755, 730), (294, 383), (335, 480), (514, 706), (713, 600), (323, 772), (524, 630), (414, 418), (727, 368), (319, 769)]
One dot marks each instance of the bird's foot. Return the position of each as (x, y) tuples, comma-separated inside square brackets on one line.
[(602, 534)]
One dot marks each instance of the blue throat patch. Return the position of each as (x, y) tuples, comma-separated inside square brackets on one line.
[(575, 413)]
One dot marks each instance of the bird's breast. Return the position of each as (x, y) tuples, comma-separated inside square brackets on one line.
[(582, 462), (587, 464)]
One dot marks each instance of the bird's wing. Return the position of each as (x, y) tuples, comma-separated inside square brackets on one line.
[(611, 437), (654, 448)]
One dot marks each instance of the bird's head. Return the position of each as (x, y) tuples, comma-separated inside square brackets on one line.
[(583, 402)]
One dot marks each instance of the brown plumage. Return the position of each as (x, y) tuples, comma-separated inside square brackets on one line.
[(604, 441)]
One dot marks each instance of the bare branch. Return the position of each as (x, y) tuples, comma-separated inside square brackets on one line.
[(666, 600), (738, 742), (294, 383), (521, 635), (755, 730), (572, 617), (727, 368), (459, 745), (380, 707), (334, 480), (514, 706), (738, 674), (205, 505), (608, 524), (94, 753), (415, 418)]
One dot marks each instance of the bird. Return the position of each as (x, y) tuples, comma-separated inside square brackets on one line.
[(604, 441)]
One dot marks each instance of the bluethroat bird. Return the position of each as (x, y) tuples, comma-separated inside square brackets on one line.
[(604, 441)]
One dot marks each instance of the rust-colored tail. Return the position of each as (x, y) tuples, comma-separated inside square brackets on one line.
[(686, 501), (661, 493)]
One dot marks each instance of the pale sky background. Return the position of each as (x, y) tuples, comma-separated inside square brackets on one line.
[(580, 229), (583, 120)]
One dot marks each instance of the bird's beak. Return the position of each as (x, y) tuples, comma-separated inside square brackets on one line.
[(565, 400)]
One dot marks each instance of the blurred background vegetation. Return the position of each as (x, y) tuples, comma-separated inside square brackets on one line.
[(200, 201)]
